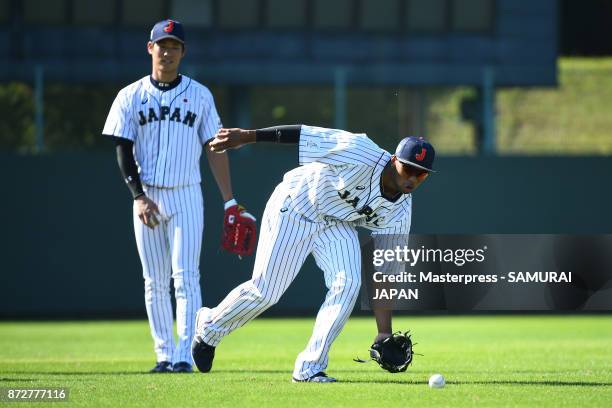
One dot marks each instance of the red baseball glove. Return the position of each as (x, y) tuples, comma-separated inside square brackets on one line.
[(239, 231)]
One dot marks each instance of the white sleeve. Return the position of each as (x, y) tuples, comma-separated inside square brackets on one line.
[(336, 147), (210, 123), (120, 122)]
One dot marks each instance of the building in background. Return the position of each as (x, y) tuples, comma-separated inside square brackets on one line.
[(373, 65)]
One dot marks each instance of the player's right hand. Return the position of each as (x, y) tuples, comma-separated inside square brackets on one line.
[(231, 139), (147, 211)]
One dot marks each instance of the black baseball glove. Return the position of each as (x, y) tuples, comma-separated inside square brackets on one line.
[(394, 353)]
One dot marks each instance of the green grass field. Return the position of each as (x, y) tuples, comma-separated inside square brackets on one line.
[(487, 361)]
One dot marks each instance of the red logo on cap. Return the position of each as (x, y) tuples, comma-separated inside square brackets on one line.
[(168, 28), (421, 156)]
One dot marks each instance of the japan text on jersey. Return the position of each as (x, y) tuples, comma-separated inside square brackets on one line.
[(163, 113), (339, 179)]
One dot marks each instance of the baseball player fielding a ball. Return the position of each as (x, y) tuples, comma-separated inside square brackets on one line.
[(344, 181), (160, 125)]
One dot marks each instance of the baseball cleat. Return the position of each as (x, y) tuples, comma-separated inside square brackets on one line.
[(202, 354), (162, 367), (319, 377), (182, 367)]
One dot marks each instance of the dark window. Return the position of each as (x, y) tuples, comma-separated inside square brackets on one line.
[(88, 12), (44, 11), (472, 15), (286, 13), (584, 27), (426, 15), (4, 10), (238, 13), (143, 12), (333, 14), (192, 13), (380, 15)]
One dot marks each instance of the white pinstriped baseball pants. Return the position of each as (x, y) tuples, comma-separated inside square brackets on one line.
[(286, 239), (172, 250)]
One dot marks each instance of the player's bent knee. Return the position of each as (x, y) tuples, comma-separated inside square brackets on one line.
[(263, 298), (267, 301)]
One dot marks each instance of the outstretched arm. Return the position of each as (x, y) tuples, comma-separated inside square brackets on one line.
[(235, 137)]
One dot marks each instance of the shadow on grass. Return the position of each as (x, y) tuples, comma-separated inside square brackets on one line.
[(547, 382), (220, 371), (395, 380), (66, 373), (551, 383), (127, 373)]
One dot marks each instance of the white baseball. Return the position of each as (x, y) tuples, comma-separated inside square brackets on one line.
[(436, 381)]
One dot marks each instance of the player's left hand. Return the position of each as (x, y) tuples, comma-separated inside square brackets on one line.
[(231, 139), (393, 353), (239, 230)]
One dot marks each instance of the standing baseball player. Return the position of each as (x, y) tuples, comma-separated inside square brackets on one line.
[(160, 125), (344, 180)]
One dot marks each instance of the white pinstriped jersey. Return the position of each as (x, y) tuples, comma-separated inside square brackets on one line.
[(339, 179), (168, 128)]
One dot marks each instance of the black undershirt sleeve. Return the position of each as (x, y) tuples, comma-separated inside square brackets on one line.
[(127, 165), (279, 134)]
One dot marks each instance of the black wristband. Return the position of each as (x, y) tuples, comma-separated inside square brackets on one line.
[(279, 134), (135, 187), (128, 167)]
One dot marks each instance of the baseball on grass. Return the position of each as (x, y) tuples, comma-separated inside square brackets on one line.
[(436, 381)]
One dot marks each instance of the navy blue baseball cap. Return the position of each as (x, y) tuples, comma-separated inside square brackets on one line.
[(168, 29), (416, 152)]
